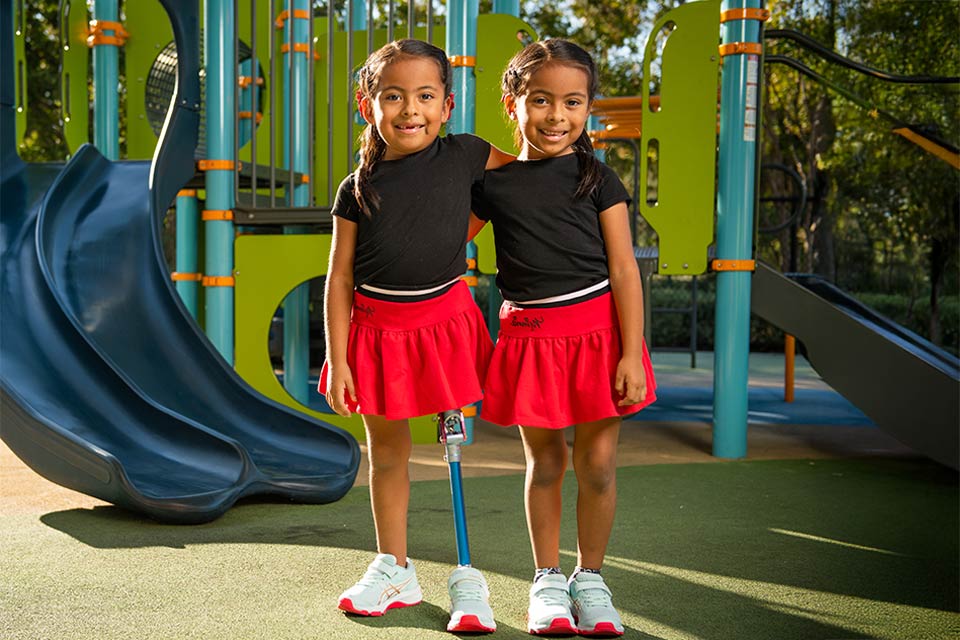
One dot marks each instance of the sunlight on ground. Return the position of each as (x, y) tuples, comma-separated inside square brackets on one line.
[(831, 609), (849, 545)]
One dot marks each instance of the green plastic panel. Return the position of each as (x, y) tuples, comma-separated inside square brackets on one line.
[(75, 61), (20, 69), (685, 132), (268, 267)]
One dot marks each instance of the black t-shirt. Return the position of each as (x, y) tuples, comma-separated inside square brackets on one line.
[(548, 242), (417, 238)]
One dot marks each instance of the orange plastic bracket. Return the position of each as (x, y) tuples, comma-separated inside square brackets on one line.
[(463, 61), (218, 281), (208, 215), (246, 81), (284, 15), (735, 48), (469, 411), (176, 276), (246, 115), (744, 14), (216, 165), (733, 265), (471, 263), (299, 47), (96, 35), (470, 280), (187, 193)]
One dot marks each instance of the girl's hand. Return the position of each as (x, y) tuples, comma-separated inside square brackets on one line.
[(340, 385), (631, 381)]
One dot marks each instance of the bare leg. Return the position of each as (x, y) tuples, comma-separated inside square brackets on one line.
[(546, 454), (595, 463), (388, 448)]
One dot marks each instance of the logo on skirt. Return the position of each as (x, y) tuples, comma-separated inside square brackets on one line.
[(365, 310), (528, 322)]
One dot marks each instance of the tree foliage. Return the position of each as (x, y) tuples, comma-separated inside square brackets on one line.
[(883, 213)]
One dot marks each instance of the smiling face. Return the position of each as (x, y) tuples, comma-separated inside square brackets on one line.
[(408, 107), (552, 112)]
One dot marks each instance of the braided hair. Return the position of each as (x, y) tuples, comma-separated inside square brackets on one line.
[(517, 76), (372, 145)]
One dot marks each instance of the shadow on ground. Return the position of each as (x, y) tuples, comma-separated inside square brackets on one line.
[(785, 549)]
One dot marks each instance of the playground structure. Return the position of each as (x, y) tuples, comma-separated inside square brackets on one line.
[(173, 430)]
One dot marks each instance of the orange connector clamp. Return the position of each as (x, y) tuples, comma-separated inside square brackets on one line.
[(96, 35), (733, 265), (218, 281)]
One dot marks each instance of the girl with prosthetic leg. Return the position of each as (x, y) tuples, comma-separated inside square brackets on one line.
[(570, 352), (404, 337)]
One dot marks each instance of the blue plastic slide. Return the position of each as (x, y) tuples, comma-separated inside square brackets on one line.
[(106, 384)]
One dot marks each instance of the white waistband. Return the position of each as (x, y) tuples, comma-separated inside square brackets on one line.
[(564, 296), (408, 292)]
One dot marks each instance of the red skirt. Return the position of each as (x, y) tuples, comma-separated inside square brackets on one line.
[(557, 366), (416, 358)]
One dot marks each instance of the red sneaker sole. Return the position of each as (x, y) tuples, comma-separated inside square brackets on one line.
[(346, 605), (558, 627), (602, 630), (470, 624)]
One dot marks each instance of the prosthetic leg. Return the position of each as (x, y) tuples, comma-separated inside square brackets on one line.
[(469, 596)]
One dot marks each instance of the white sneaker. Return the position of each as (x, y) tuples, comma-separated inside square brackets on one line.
[(549, 612), (384, 586), (593, 606), (469, 602)]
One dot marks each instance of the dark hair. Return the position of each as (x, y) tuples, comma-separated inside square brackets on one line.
[(517, 76), (372, 146)]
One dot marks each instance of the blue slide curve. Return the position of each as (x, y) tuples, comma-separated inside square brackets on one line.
[(107, 386)]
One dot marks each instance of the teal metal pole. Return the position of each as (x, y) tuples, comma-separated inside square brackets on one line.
[(187, 221), (358, 15), (106, 77), (461, 44), (735, 210), (509, 7), (296, 306), (221, 68)]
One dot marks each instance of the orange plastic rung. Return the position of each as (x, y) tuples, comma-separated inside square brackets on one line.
[(471, 263), (218, 281), (469, 411), (176, 276), (187, 193), (470, 280)]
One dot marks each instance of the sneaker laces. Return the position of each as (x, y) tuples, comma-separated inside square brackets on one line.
[(373, 575), (594, 596), (469, 589), (553, 596)]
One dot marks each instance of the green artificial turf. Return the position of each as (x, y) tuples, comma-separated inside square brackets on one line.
[(834, 549)]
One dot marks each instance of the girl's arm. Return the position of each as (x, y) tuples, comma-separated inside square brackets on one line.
[(338, 301), (628, 295), (476, 225), (498, 158)]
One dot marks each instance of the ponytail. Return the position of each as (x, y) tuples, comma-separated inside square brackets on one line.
[(590, 173), (372, 149)]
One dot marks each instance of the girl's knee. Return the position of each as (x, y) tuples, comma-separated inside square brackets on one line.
[(547, 467), (595, 472)]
